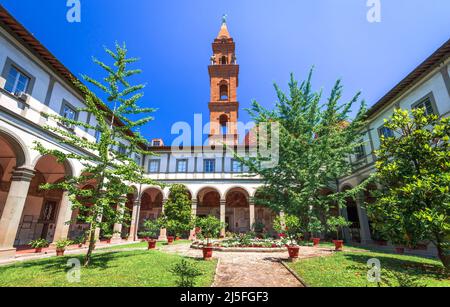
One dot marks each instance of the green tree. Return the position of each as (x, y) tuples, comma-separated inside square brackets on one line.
[(112, 166), (210, 227), (178, 210), (315, 141), (413, 167)]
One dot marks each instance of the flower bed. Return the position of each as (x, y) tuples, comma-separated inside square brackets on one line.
[(243, 241)]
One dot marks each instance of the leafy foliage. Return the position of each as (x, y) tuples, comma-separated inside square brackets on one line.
[(210, 226), (336, 224), (315, 142), (178, 211), (99, 193), (39, 243), (187, 272), (414, 169), (289, 225)]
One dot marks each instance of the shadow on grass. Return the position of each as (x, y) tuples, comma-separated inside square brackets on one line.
[(56, 265), (395, 264)]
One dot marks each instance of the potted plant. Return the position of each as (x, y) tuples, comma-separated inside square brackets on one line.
[(289, 228), (211, 227), (151, 231), (61, 246), (336, 224), (107, 237), (80, 241), (39, 244), (315, 227)]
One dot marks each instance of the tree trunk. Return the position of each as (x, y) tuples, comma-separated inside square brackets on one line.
[(88, 257), (443, 256)]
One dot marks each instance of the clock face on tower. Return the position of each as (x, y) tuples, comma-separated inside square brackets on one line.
[(224, 81)]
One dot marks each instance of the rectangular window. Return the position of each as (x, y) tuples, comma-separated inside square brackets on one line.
[(98, 135), (16, 81), (156, 143), (182, 166), (236, 166), (137, 159), (386, 132), (426, 104), (122, 149), (209, 166), (153, 166), (360, 152)]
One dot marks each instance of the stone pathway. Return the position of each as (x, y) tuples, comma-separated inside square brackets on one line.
[(251, 269)]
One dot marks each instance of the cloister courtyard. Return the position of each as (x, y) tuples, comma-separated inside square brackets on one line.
[(132, 265)]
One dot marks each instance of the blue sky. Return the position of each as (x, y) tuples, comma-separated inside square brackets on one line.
[(274, 38)]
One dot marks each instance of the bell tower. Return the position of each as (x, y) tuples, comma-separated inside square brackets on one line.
[(224, 81)]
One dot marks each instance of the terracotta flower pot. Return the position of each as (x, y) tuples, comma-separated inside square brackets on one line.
[(316, 241), (293, 251), (38, 250), (338, 244), (108, 241), (400, 250), (207, 253), (170, 240), (60, 252), (151, 244), (177, 239)]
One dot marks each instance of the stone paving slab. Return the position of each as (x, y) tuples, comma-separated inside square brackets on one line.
[(251, 269)]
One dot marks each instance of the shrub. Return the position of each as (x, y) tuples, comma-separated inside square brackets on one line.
[(186, 272), (39, 243), (336, 224), (62, 244)]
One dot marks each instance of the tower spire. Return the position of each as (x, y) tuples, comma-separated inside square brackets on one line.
[(224, 81)]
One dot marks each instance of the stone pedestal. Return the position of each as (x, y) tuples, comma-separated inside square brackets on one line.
[(162, 235)]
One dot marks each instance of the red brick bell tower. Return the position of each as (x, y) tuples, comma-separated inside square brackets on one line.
[(224, 81)]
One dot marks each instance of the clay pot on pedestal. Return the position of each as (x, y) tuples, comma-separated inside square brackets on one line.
[(170, 240), (293, 252), (316, 241), (151, 244), (338, 245)]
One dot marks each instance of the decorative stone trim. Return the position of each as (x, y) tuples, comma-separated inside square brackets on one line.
[(23, 174)]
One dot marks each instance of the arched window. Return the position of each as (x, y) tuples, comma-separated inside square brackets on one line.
[(223, 92), (223, 120), (224, 60)]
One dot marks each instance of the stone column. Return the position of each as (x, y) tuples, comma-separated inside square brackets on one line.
[(192, 234), (346, 231), (134, 220), (163, 231), (282, 219), (222, 216), (12, 212), (366, 237), (252, 213), (117, 228), (63, 219)]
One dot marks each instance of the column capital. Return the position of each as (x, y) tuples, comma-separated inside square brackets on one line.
[(194, 202), (223, 202), (23, 174)]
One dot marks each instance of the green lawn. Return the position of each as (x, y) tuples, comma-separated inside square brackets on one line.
[(110, 269), (348, 269)]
